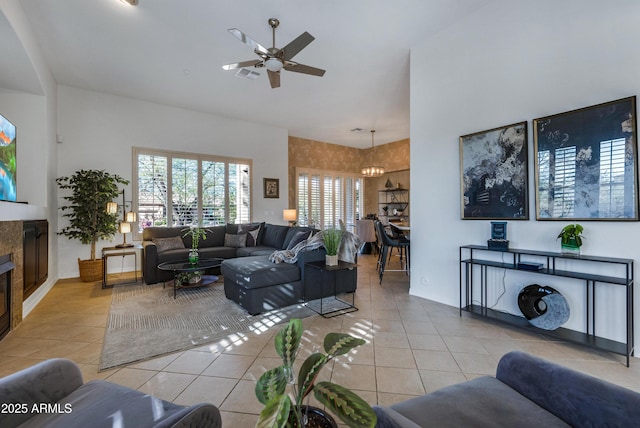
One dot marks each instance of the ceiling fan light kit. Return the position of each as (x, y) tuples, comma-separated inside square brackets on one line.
[(130, 2), (275, 59)]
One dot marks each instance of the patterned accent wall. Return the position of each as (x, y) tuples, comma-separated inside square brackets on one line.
[(393, 157)]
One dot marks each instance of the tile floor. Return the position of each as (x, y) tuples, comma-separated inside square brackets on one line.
[(413, 346)]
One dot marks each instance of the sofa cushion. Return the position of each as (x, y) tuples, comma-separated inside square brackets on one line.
[(481, 402), (215, 237), (295, 233), (252, 230), (204, 253), (298, 237), (258, 272), (172, 243), (274, 235), (259, 250), (235, 240)]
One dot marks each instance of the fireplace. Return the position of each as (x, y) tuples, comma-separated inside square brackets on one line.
[(6, 267)]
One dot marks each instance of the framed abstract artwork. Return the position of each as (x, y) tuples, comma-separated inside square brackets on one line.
[(271, 187), (585, 163), (494, 174)]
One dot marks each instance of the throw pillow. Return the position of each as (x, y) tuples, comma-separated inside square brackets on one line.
[(236, 241), (252, 231), (298, 238), (164, 244)]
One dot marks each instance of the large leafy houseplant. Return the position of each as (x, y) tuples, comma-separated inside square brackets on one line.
[(284, 410), (86, 211)]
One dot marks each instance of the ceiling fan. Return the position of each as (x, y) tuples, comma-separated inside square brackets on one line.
[(274, 59)]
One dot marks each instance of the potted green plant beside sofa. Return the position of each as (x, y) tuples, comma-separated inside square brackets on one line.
[(282, 410), (571, 239), (86, 212), (332, 239)]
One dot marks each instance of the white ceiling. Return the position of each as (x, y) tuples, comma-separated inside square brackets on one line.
[(171, 52)]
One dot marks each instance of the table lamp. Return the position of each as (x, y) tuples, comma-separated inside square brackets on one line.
[(291, 216)]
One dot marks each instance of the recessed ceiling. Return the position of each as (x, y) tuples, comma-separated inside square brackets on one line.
[(144, 51)]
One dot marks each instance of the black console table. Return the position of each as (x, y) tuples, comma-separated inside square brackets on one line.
[(329, 280), (480, 256)]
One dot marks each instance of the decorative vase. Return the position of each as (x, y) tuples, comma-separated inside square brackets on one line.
[(571, 248), (331, 260), (193, 256)]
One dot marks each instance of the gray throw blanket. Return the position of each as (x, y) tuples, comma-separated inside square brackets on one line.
[(347, 252)]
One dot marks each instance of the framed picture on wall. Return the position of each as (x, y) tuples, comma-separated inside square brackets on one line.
[(585, 163), (271, 187), (494, 172)]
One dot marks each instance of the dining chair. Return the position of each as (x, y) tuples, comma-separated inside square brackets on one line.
[(387, 244), (365, 230)]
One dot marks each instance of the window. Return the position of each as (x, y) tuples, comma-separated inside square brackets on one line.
[(207, 190), (326, 197)]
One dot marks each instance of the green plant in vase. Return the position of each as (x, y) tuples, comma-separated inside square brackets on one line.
[(332, 239), (284, 410), (196, 233), (571, 239)]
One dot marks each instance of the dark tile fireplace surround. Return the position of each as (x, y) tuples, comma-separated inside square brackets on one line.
[(11, 245)]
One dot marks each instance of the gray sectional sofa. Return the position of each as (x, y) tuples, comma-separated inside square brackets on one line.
[(250, 278), (261, 239), (527, 391)]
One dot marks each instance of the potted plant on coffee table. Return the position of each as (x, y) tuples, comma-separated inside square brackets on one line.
[(571, 239), (86, 212), (196, 233), (284, 410), (331, 239)]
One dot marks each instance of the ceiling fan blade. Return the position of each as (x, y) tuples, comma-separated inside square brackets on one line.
[(242, 64), (274, 78), (255, 46), (301, 68), (297, 45)]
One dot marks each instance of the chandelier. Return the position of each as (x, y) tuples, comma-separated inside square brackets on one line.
[(373, 170)]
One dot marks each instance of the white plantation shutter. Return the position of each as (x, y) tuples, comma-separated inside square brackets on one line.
[(326, 197), (205, 190)]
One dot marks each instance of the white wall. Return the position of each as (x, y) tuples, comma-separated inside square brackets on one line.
[(513, 61), (99, 131)]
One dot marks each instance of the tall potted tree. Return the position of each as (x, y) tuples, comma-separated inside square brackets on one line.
[(86, 212)]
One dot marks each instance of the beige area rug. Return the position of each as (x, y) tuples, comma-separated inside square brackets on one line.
[(145, 321)]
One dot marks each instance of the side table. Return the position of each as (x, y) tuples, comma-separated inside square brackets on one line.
[(331, 280), (122, 252)]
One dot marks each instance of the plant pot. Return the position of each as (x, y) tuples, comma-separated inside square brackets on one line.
[(571, 248), (317, 418), (331, 260), (90, 270)]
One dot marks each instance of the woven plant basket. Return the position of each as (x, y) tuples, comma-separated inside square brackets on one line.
[(90, 270)]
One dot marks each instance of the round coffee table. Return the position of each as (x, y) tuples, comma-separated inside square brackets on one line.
[(184, 266)]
